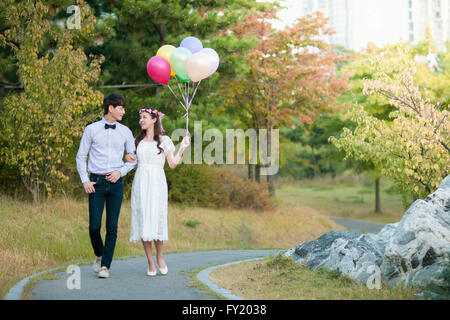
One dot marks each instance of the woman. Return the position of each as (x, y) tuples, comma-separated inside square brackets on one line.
[(149, 189)]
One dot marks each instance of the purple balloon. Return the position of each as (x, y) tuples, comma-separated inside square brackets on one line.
[(212, 54), (192, 44)]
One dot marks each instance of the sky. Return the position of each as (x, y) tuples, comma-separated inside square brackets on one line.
[(377, 21)]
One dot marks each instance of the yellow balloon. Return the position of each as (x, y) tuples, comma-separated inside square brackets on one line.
[(165, 51)]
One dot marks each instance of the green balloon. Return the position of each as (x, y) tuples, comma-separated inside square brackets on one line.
[(178, 61), (183, 80)]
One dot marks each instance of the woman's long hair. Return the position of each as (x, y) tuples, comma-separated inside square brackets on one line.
[(158, 132)]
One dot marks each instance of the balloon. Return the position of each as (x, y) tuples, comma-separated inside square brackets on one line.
[(178, 60), (158, 69), (165, 52), (192, 44), (212, 54), (198, 66), (188, 80)]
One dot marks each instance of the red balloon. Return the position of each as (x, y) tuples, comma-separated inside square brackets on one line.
[(158, 69)]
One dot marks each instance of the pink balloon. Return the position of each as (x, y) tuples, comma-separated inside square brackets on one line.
[(158, 69)]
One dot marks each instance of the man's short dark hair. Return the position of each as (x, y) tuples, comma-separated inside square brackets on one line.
[(113, 99)]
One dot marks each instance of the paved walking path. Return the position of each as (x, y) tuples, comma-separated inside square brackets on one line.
[(361, 226), (128, 278)]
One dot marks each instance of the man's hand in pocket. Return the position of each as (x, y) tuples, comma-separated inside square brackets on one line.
[(89, 187), (113, 176)]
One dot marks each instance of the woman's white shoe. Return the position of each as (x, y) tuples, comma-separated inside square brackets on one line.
[(151, 273), (163, 270)]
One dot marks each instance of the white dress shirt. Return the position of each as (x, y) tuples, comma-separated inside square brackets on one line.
[(105, 148)]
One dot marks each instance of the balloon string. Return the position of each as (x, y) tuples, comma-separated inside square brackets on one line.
[(187, 99), (189, 104), (186, 91), (181, 92), (195, 91), (176, 96), (186, 85), (189, 85)]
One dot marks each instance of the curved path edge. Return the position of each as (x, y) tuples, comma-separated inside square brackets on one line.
[(203, 276), (16, 291)]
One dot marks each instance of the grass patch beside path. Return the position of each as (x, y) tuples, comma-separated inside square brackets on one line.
[(37, 237), (341, 199), (281, 278)]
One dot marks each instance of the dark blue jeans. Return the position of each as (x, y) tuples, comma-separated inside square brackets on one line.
[(112, 195)]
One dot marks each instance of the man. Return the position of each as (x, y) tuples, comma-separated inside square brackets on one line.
[(105, 141)]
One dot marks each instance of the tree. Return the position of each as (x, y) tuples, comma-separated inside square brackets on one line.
[(40, 124), (309, 153), (360, 68), (127, 34), (394, 59), (412, 149), (290, 75), (136, 29)]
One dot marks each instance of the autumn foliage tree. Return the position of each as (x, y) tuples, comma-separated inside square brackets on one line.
[(40, 124), (290, 75)]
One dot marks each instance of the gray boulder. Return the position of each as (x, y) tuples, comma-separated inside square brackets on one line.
[(414, 250)]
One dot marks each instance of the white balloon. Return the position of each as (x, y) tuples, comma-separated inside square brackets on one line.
[(198, 66), (212, 54)]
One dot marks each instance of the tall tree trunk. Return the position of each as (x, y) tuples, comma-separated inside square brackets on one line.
[(270, 179), (32, 187), (159, 91), (271, 183), (251, 172), (257, 166), (251, 167), (314, 161), (258, 173), (377, 195)]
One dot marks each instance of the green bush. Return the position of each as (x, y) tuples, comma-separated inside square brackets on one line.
[(192, 223), (216, 187)]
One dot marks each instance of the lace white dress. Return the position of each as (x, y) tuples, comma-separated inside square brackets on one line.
[(149, 192)]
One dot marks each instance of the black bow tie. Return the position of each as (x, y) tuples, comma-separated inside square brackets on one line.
[(112, 126)]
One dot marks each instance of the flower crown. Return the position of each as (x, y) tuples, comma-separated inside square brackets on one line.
[(154, 111)]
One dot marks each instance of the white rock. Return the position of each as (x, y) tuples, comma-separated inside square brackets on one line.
[(413, 250)]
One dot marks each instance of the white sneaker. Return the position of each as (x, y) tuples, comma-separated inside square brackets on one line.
[(104, 273), (97, 264)]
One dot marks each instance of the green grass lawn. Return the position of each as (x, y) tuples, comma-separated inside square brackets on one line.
[(344, 200), (281, 278)]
